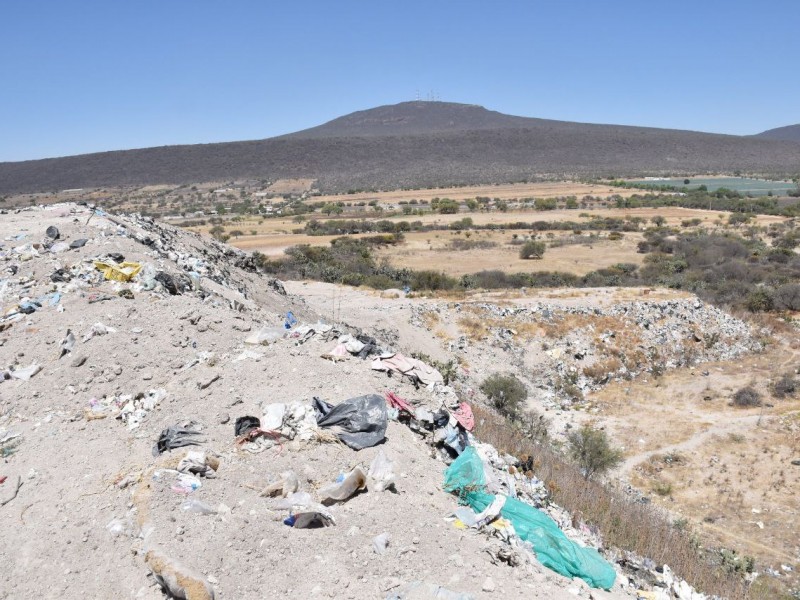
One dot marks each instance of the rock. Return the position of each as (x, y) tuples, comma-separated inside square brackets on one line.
[(78, 361), (488, 585), (176, 579)]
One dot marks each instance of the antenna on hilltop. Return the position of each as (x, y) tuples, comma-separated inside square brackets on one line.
[(417, 94)]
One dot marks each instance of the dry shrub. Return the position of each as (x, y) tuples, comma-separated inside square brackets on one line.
[(602, 369), (474, 329), (642, 528), (747, 397)]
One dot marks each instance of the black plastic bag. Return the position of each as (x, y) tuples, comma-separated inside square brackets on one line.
[(243, 425), (360, 422)]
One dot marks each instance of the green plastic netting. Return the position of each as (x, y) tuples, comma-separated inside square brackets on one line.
[(553, 549)]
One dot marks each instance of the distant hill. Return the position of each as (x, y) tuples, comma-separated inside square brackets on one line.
[(416, 144), (790, 133)]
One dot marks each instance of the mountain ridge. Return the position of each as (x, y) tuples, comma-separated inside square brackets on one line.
[(789, 133), (416, 144)]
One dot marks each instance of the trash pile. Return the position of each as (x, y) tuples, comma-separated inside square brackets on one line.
[(224, 440), (583, 348)]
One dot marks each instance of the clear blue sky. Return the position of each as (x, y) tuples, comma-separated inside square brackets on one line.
[(82, 76)]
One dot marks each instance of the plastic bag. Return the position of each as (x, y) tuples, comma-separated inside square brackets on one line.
[(265, 335), (353, 482), (381, 475), (199, 507), (359, 422)]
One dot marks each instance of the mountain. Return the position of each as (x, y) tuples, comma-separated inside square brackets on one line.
[(416, 144), (790, 133)]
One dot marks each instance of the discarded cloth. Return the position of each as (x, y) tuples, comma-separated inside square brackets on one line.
[(463, 414), (359, 422), (397, 402), (411, 367)]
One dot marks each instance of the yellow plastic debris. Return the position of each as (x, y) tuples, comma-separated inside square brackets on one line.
[(122, 272)]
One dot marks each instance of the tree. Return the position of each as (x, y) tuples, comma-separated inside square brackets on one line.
[(686, 182), (658, 221), (532, 249), (590, 448)]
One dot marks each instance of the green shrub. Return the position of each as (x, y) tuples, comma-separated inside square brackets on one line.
[(591, 450), (506, 393), (532, 249)]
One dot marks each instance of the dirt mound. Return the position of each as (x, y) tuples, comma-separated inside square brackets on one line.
[(121, 338)]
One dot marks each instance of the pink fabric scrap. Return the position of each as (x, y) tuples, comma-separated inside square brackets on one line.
[(463, 415)]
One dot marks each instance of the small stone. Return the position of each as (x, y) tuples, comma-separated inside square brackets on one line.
[(488, 585), (224, 418)]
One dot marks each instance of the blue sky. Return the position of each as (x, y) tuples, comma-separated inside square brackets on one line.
[(82, 76)]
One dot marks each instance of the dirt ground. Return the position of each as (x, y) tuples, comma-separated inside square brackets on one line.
[(726, 469), (430, 250), (93, 498)]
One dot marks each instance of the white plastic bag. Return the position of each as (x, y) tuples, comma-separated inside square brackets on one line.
[(381, 473)]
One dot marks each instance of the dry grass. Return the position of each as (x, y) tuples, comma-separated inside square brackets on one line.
[(642, 528)]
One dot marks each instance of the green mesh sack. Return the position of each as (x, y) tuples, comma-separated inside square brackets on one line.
[(465, 474), (553, 549)]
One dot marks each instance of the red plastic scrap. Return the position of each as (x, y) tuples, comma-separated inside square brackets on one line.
[(397, 402), (3, 478), (463, 415)]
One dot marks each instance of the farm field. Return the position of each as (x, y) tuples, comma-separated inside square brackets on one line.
[(744, 185)]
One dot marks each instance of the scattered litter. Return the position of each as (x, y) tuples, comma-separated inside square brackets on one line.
[(67, 344), (9, 443), (285, 487), (244, 425), (290, 321), (348, 486), (412, 368), (359, 422), (167, 281), (380, 543), (60, 276), (463, 415), (97, 329), (309, 520), (122, 272), (199, 462), (26, 373), (175, 436), (420, 590), (381, 475), (198, 506), (265, 335), (553, 549)]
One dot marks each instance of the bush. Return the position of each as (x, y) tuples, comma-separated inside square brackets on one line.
[(591, 450), (759, 300), (786, 385), (787, 296), (506, 393), (747, 396), (532, 249)]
